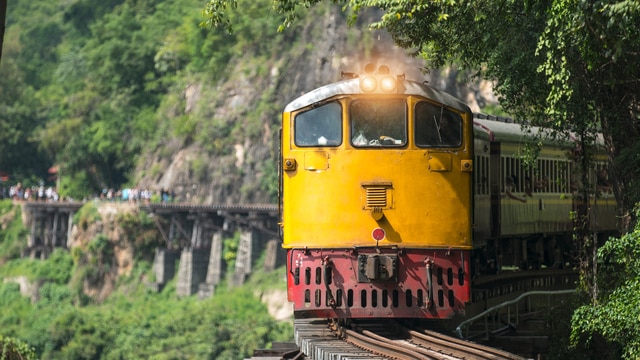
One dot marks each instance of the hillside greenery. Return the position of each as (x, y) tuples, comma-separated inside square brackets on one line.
[(91, 86), (59, 321)]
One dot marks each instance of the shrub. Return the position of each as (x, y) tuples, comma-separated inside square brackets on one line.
[(14, 349)]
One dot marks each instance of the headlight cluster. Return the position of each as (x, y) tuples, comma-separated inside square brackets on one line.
[(379, 80)]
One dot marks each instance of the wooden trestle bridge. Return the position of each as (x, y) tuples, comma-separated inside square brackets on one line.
[(193, 234)]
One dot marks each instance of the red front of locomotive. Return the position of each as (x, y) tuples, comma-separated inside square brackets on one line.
[(368, 282)]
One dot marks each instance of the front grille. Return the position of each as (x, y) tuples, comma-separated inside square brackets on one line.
[(319, 294), (376, 196)]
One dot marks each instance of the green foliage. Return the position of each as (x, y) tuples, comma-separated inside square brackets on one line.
[(14, 238), (109, 86), (269, 178), (200, 169), (60, 321), (6, 205), (230, 250), (558, 325), (20, 267), (76, 186), (10, 298), (14, 349), (141, 231), (58, 267), (94, 86), (615, 317), (137, 323), (87, 215), (101, 248)]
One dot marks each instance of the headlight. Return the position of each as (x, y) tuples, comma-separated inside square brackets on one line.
[(368, 84), (378, 80), (388, 84)]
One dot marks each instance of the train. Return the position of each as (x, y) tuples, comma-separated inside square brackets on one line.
[(395, 196)]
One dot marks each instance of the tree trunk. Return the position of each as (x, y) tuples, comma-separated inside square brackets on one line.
[(3, 19)]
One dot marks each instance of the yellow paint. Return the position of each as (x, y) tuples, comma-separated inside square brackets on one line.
[(427, 193)]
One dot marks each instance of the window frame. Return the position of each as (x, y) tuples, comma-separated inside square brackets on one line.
[(459, 136), (330, 142), (384, 140)]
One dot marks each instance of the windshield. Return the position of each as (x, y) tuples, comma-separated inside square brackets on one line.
[(437, 126), (376, 123), (320, 126)]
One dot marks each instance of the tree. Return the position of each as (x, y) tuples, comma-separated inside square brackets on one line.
[(15, 349), (19, 117), (3, 17), (591, 52), (615, 317)]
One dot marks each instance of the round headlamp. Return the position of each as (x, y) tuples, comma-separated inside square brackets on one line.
[(368, 84), (388, 84)]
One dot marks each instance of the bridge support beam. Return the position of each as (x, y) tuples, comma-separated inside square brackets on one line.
[(215, 270), (275, 255), (164, 266), (69, 227), (192, 270), (248, 250), (196, 232), (50, 228)]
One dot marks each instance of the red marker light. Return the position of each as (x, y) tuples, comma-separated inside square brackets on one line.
[(378, 234)]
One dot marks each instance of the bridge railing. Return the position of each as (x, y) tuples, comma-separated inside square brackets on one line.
[(492, 319)]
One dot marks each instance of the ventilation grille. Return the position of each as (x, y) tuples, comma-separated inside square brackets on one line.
[(317, 293), (376, 196)]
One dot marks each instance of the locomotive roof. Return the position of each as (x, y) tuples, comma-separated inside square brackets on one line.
[(352, 86)]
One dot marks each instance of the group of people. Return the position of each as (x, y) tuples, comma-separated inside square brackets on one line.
[(19, 192), (135, 195), (33, 193)]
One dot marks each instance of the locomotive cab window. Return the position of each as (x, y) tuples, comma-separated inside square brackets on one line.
[(378, 123), (437, 126), (320, 126)]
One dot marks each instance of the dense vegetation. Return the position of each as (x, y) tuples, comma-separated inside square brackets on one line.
[(91, 86), (59, 321)]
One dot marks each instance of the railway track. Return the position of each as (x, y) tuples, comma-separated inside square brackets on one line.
[(385, 339), (320, 339)]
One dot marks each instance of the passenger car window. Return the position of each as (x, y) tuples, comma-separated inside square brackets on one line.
[(321, 126), (376, 123), (437, 126)]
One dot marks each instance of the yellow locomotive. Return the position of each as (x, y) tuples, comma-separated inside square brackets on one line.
[(377, 201), (394, 196)]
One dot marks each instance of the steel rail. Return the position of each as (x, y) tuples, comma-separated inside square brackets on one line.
[(459, 348), (382, 346)]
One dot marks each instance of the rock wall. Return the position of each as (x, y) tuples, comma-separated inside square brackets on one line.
[(239, 171)]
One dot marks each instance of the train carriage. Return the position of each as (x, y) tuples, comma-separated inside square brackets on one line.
[(377, 199), (522, 212)]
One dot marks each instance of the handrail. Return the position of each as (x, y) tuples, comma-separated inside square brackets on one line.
[(507, 303)]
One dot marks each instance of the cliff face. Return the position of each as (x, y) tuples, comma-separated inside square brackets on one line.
[(116, 255), (239, 166)]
